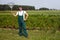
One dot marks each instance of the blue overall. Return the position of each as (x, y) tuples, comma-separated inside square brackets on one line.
[(22, 27)]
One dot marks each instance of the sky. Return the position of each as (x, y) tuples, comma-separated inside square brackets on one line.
[(51, 4)]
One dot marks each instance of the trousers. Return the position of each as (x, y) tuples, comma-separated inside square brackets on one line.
[(22, 27)]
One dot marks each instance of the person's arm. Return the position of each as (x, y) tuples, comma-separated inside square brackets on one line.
[(15, 14), (26, 16)]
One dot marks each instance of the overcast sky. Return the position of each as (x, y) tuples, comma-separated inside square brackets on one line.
[(37, 3)]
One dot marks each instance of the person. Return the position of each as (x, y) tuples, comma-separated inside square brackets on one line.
[(22, 17)]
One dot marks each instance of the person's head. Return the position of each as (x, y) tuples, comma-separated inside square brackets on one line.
[(20, 8)]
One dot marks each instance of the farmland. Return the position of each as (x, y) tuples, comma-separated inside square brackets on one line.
[(37, 19), (8, 34), (47, 21)]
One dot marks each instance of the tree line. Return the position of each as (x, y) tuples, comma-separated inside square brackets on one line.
[(15, 7)]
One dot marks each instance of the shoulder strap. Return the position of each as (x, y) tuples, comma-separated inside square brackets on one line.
[(23, 12), (18, 12)]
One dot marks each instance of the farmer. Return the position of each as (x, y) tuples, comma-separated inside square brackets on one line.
[(22, 17)]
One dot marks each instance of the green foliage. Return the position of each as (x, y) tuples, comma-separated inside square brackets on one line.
[(36, 19), (15, 7), (44, 8)]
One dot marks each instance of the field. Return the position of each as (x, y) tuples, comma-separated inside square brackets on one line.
[(37, 19), (48, 23), (8, 34)]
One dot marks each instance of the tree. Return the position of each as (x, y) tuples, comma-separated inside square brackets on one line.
[(15, 7), (43, 8)]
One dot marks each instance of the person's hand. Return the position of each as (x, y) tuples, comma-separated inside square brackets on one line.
[(14, 14), (25, 19)]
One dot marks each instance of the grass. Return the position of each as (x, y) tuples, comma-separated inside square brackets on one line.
[(45, 19), (8, 34), (36, 19)]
